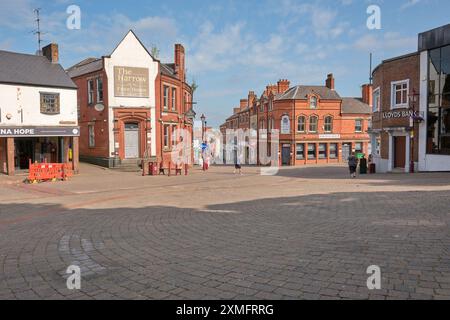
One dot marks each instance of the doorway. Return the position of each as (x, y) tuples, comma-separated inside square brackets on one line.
[(399, 152), (131, 141), (286, 155)]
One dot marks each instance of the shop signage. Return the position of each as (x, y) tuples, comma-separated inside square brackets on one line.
[(285, 125), (402, 114), (329, 136), (39, 132), (131, 82)]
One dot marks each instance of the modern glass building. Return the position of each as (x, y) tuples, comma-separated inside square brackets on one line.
[(434, 145)]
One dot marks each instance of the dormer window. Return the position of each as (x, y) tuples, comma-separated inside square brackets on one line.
[(313, 102)]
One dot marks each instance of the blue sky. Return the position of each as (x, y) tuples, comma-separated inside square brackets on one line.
[(234, 46)]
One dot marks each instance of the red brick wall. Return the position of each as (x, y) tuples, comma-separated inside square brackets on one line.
[(88, 115), (383, 76)]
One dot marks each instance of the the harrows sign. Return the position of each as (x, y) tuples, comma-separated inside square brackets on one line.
[(39, 131)]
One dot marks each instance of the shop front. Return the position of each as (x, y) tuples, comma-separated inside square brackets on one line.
[(20, 145)]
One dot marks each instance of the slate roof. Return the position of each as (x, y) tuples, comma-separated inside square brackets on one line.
[(26, 69), (86, 66), (301, 93), (355, 106), (168, 69)]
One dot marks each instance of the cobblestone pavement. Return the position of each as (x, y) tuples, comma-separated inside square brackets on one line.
[(307, 233)]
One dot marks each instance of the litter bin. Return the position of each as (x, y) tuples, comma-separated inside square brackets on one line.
[(363, 166), (372, 168)]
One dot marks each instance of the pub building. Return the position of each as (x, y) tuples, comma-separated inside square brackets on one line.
[(411, 108), (38, 111), (117, 105)]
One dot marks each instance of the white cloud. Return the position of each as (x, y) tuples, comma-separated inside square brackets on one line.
[(388, 41), (409, 4)]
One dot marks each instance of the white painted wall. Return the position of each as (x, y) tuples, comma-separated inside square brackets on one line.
[(14, 98), (130, 53)]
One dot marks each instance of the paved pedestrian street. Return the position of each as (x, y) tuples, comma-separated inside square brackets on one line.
[(307, 233)]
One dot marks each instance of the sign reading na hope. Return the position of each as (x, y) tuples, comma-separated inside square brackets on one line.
[(39, 131)]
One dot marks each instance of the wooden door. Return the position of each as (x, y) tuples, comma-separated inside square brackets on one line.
[(400, 152)]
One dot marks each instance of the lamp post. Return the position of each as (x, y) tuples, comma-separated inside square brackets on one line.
[(413, 99)]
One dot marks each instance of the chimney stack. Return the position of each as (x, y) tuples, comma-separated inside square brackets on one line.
[(283, 85), (243, 104), (330, 82), (180, 62), (51, 52), (367, 94), (236, 110), (251, 98)]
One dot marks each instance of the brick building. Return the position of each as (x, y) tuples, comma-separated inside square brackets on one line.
[(316, 125), (129, 104), (173, 103), (411, 120), (394, 82)]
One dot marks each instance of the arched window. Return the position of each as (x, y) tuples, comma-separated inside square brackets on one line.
[(313, 121), (328, 127), (301, 126), (313, 102)]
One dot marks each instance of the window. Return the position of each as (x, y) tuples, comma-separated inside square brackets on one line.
[(99, 90), (358, 147), (270, 105), (328, 127), (166, 135), (301, 127), (322, 151), (91, 133), (90, 91), (333, 151), (261, 108), (399, 94), (438, 119), (313, 102), (300, 151), (166, 97), (376, 101), (313, 121), (174, 99), (49, 103), (311, 151), (358, 125)]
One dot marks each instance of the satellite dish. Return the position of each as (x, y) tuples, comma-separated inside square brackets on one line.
[(99, 107)]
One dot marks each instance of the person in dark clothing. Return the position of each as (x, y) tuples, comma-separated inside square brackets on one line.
[(352, 164)]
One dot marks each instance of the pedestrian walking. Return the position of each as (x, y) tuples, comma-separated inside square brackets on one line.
[(237, 166), (352, 164)]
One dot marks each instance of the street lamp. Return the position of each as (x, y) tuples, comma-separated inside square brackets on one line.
[(203, 118), (413, 99)]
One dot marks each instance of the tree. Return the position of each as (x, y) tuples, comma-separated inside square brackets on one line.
[(155, 52), (194, 86)]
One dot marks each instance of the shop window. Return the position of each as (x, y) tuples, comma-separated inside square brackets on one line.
[(90, 88), (301, 127), (50, 103), (99, 90), (358, 147), (333, 151), (438, 119), (174, 99), (328, 127), (300, 150), (358, 125), (311, 151), (166, 97), (399, 94), (313, 123), (322, 151), (91, 133)]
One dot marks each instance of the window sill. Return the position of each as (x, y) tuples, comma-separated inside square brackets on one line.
[(400, 106)]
